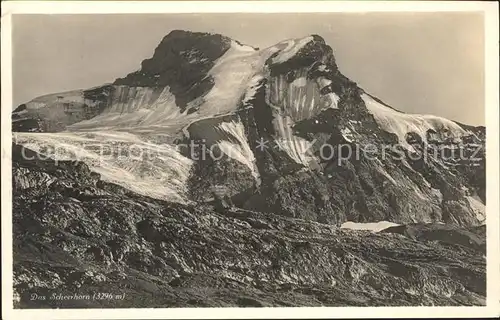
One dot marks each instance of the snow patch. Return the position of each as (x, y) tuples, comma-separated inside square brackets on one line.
[(242, 47), (135, 113), (334, 100), (292, 48), (371, 226), (241, 151), (253, 87), (347, 134), (297, 148)]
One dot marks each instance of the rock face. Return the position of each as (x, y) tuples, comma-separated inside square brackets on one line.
[(76, 233), (217, 174)]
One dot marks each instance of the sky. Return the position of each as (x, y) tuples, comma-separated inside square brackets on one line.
[(430, 63)]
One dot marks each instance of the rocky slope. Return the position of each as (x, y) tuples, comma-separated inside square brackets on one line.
[(74, 233)]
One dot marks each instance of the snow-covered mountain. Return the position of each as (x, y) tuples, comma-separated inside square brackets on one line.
[(286, 124), (303, 153)]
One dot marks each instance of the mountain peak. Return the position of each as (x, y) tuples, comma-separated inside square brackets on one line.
[(179, 34), (253, 152)]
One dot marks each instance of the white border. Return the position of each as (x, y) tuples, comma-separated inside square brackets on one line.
[(490, 10), (103, 7)]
